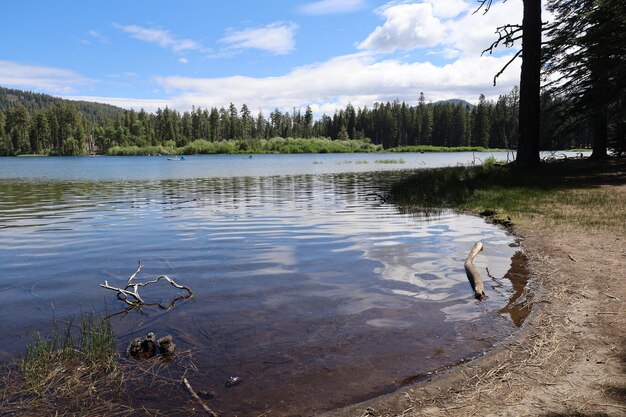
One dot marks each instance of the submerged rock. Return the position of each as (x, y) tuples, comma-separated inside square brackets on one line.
[(209, 395), (142, 349), (166, 346), (232, 381)]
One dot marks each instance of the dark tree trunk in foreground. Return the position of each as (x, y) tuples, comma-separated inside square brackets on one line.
[(529, 102), (599, 97), (600, 134)]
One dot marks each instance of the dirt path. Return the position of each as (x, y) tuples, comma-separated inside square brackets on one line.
[(569, 358)]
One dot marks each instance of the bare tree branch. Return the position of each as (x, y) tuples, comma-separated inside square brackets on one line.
[(483, 3), (130, 293), (495, 77), (507, 34)]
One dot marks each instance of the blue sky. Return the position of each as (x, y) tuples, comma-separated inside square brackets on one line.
[(266, 54)]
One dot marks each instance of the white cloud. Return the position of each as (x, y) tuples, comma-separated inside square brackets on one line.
[(472, 33), (447, 9), (323, 7), (447, 24), (40, 78), (98, 36), (407, 26), (149, 105), (161, 37), (183, 60), (277, 38), (442, 28), (360, 79), (447, 53)]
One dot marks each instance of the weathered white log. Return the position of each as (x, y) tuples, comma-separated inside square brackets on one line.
[(473, 276)]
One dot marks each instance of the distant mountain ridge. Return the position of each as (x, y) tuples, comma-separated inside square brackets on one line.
[(455, 102), (34, 102)]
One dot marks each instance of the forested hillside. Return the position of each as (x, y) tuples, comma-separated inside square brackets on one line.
[(32, 123), (34, 102)]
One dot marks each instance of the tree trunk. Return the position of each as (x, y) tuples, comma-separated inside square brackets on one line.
[(528, 146), (599, 122), (600, 134)]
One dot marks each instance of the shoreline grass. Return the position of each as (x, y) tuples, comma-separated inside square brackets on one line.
[(431, 148), (559, 193), (78, 374), (283, 146)]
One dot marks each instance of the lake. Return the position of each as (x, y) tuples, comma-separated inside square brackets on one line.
[(307, 286)]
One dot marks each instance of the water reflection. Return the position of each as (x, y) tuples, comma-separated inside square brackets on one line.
[(312, 292)]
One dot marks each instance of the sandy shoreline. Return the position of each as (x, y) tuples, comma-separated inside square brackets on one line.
[(569, 358)]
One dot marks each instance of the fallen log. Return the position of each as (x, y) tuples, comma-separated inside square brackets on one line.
[(476, 281)]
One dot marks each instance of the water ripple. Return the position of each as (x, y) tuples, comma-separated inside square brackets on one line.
[(305, 267)]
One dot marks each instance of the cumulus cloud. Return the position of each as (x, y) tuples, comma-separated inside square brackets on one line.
[(472, 33), (277, 38), (436, 28), (360, 79), (407, 26), (447, 9), (448, 25), (324, 7), (40, 78), (161, 37)]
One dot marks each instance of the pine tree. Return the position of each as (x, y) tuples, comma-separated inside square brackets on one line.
[(246, 122), (40, 134), (17, 128), (587, 52), (308, 122)]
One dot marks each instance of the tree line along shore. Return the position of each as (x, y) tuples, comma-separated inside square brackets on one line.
[(37, 124)]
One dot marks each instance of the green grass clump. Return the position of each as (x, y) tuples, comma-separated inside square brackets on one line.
[(141, 151), (390, 161), (205, 147), (92, 351), (316, 145), (67, 374)]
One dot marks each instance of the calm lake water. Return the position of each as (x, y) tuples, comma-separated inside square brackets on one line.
[(307, 286)]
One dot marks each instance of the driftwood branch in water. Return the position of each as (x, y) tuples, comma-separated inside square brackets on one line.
[(472, 273), (130, 293), (197, 398)]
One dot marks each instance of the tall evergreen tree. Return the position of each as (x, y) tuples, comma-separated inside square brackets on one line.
[(5, 149), (17, 128), (308, 122), (587, 55), (40, 134), (246, 122), (530, 77)]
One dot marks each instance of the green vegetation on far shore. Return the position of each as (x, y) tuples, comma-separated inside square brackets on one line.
[(281, 146), (431, 148), (256, 146)]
